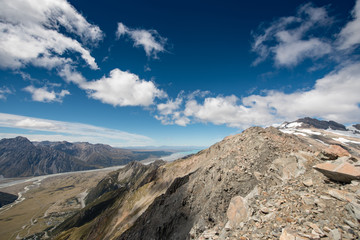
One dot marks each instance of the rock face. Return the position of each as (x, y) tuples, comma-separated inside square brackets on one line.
[(259, 184)]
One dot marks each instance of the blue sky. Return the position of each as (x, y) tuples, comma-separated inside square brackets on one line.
[(176, 73)]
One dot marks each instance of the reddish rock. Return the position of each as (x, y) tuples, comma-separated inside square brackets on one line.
[(288, 234), (237, 211), (333, 152), (344, 172)]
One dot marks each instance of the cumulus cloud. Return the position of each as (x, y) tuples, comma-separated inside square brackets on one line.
[(30, 34), (69, 131), (350, 34), (120, 88), (150, 40), (123, 88), (288, 41), (4, 91), (45, 95), (171, 112)]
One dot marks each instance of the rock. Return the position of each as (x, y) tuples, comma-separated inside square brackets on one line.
[(308, 182), (333, 152), (335, 234), (317, 229), (289, 167), (354, 210), (288, 234), (350, 223), (341, 195), (344, 172), (210, 234), (265, 210), (237, 211)]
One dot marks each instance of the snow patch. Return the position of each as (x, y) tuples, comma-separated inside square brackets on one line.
[(345, 141), (294, 125), (349, 133), (308, 131)]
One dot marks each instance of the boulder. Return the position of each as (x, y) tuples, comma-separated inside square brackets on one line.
[(344, 172), (237, 211)]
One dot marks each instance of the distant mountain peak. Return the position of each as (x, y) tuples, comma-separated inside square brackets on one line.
[(308, 122), (17, 141)]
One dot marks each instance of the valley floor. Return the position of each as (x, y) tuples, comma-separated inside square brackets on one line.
[(44, 201)]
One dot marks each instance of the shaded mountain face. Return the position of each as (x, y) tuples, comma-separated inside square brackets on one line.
[(259, 184), (20, 158), (357, 126), (6, 198), (101, 154)]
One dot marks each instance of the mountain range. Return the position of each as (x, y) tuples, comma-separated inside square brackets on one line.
[(21, 158)]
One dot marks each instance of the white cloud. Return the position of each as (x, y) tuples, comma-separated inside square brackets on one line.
[(287, 39), (45, 95), (59, 131), (123, 88), (225, 110), (30, 34), (4, 91), (30, 123), (69, 74), (350, 34), (335, 97), (169, 112), (150, 40)]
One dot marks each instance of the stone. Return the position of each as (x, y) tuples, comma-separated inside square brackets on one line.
[(237, 211), (353, 209), (288, 234), (344, 172), (333, 152), (308, 182), (350, 223), (316, 229), (265, 210), (335, 234)]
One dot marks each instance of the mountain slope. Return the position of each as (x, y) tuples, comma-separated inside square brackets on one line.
[(20, 158), (259, 184)]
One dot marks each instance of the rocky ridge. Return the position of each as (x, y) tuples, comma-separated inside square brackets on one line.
[(260, 184)]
